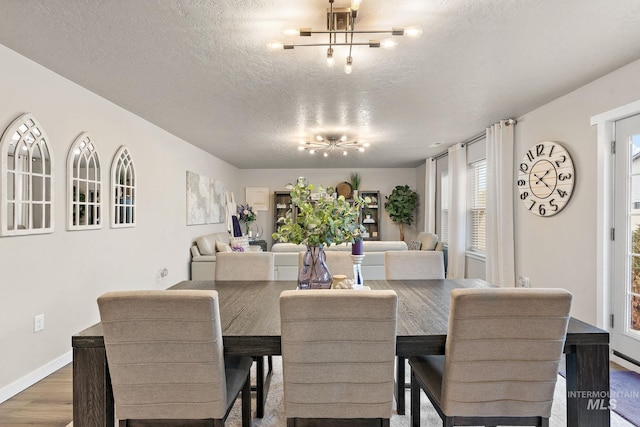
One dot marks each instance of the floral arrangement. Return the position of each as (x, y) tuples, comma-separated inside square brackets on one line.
[(322, 218), (246, 214)]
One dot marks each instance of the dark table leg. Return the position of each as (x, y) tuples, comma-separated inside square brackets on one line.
[(92, 393), (400, 385), (588, 386), (262, 383)]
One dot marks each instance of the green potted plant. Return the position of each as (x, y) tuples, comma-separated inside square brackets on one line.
[(355, 184), (400, 205), (322, 220)]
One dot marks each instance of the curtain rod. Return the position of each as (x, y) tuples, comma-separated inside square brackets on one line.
[(475, 138)]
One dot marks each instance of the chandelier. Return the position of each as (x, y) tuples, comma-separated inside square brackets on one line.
[(332, 143), (342, 21)]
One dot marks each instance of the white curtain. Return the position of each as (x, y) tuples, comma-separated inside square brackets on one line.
[(457, 211), (230, 211), (500, 264), (430, 196)]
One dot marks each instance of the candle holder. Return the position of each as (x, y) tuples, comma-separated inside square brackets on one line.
[(357, 270)]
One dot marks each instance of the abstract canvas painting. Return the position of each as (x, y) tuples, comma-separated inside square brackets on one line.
[(205, 200)]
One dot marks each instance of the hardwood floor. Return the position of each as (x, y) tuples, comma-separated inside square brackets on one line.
[(49, 403)]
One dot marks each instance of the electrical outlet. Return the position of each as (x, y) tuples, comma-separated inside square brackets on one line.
[(162, 273), (38, 323), (525, 282)]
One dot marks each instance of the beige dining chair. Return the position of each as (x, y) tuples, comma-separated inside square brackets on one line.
[(338, 262), (238, 266), (501, 358), (338, 349), (410, 265), (166, 358), (413, 265), (244, 266)]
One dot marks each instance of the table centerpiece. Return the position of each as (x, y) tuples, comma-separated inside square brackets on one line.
[(322, 219)]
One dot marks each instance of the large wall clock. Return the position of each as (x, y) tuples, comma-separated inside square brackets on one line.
[(546, 178)]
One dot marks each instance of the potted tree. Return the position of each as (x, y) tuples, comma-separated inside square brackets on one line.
[(355, 184), (400, 205)]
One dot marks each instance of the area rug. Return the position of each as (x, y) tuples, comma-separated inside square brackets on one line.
[(274, 408), (625, 395)]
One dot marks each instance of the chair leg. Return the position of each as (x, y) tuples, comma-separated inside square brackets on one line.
[(415, 401), (291, 422), (545, 422), (122, 423), (246, 402), (400, 405)]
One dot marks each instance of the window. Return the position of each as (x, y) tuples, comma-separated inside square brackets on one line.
[(444, 208), (83, 185), (123, 190), (26, 174), (477, 206)]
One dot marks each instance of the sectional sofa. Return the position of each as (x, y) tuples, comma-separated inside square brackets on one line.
[(204, 249)]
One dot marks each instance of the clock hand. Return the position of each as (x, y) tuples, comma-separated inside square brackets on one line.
[(540, 179)]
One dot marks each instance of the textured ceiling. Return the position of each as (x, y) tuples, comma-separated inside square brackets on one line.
[(200, 69)]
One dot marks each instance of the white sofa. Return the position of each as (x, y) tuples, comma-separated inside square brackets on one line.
[(203, 255), (286, 255)]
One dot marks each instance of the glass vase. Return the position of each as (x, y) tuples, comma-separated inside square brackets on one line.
[(314, 273)]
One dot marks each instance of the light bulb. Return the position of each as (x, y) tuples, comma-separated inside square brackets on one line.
[(275, 45), (344, 153), (361, 149), (349, 67), (355, 4), (413, 31), (330, 61), (300, 148), (291, 32), (319, 138), (388, 44), (366, 144), (312, 151), (326, 154), (343, 138)]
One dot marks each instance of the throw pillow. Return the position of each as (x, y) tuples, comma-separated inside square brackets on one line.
[(240, 244), (204, 246), (222, 247), (414, 245)]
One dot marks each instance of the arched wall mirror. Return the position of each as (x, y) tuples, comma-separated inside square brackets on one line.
[(26, 179), (123, 190), (84, 184)]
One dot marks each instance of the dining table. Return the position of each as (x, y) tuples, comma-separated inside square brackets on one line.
[(250, 320)]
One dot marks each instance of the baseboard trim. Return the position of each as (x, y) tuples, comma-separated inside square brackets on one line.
[(624, 363), (28, 380)]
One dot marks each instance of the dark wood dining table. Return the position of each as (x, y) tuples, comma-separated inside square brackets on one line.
[(250, 318)]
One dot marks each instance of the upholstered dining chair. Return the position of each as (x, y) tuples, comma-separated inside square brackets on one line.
[(238, 266), (501, 358), (338, 349), (338, 262), (410, 265), (413, 265), (244, 266), (165, 355)]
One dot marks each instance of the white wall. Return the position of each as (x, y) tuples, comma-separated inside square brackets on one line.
[(383, 180), (560, 251), (61, 274)]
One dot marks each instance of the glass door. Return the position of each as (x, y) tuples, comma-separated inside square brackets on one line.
[(625, 331)]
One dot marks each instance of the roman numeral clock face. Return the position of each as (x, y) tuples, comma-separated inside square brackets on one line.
[(546, 178)]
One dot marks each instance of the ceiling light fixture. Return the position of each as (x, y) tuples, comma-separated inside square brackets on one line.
[(330, 143), (343, 21)]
